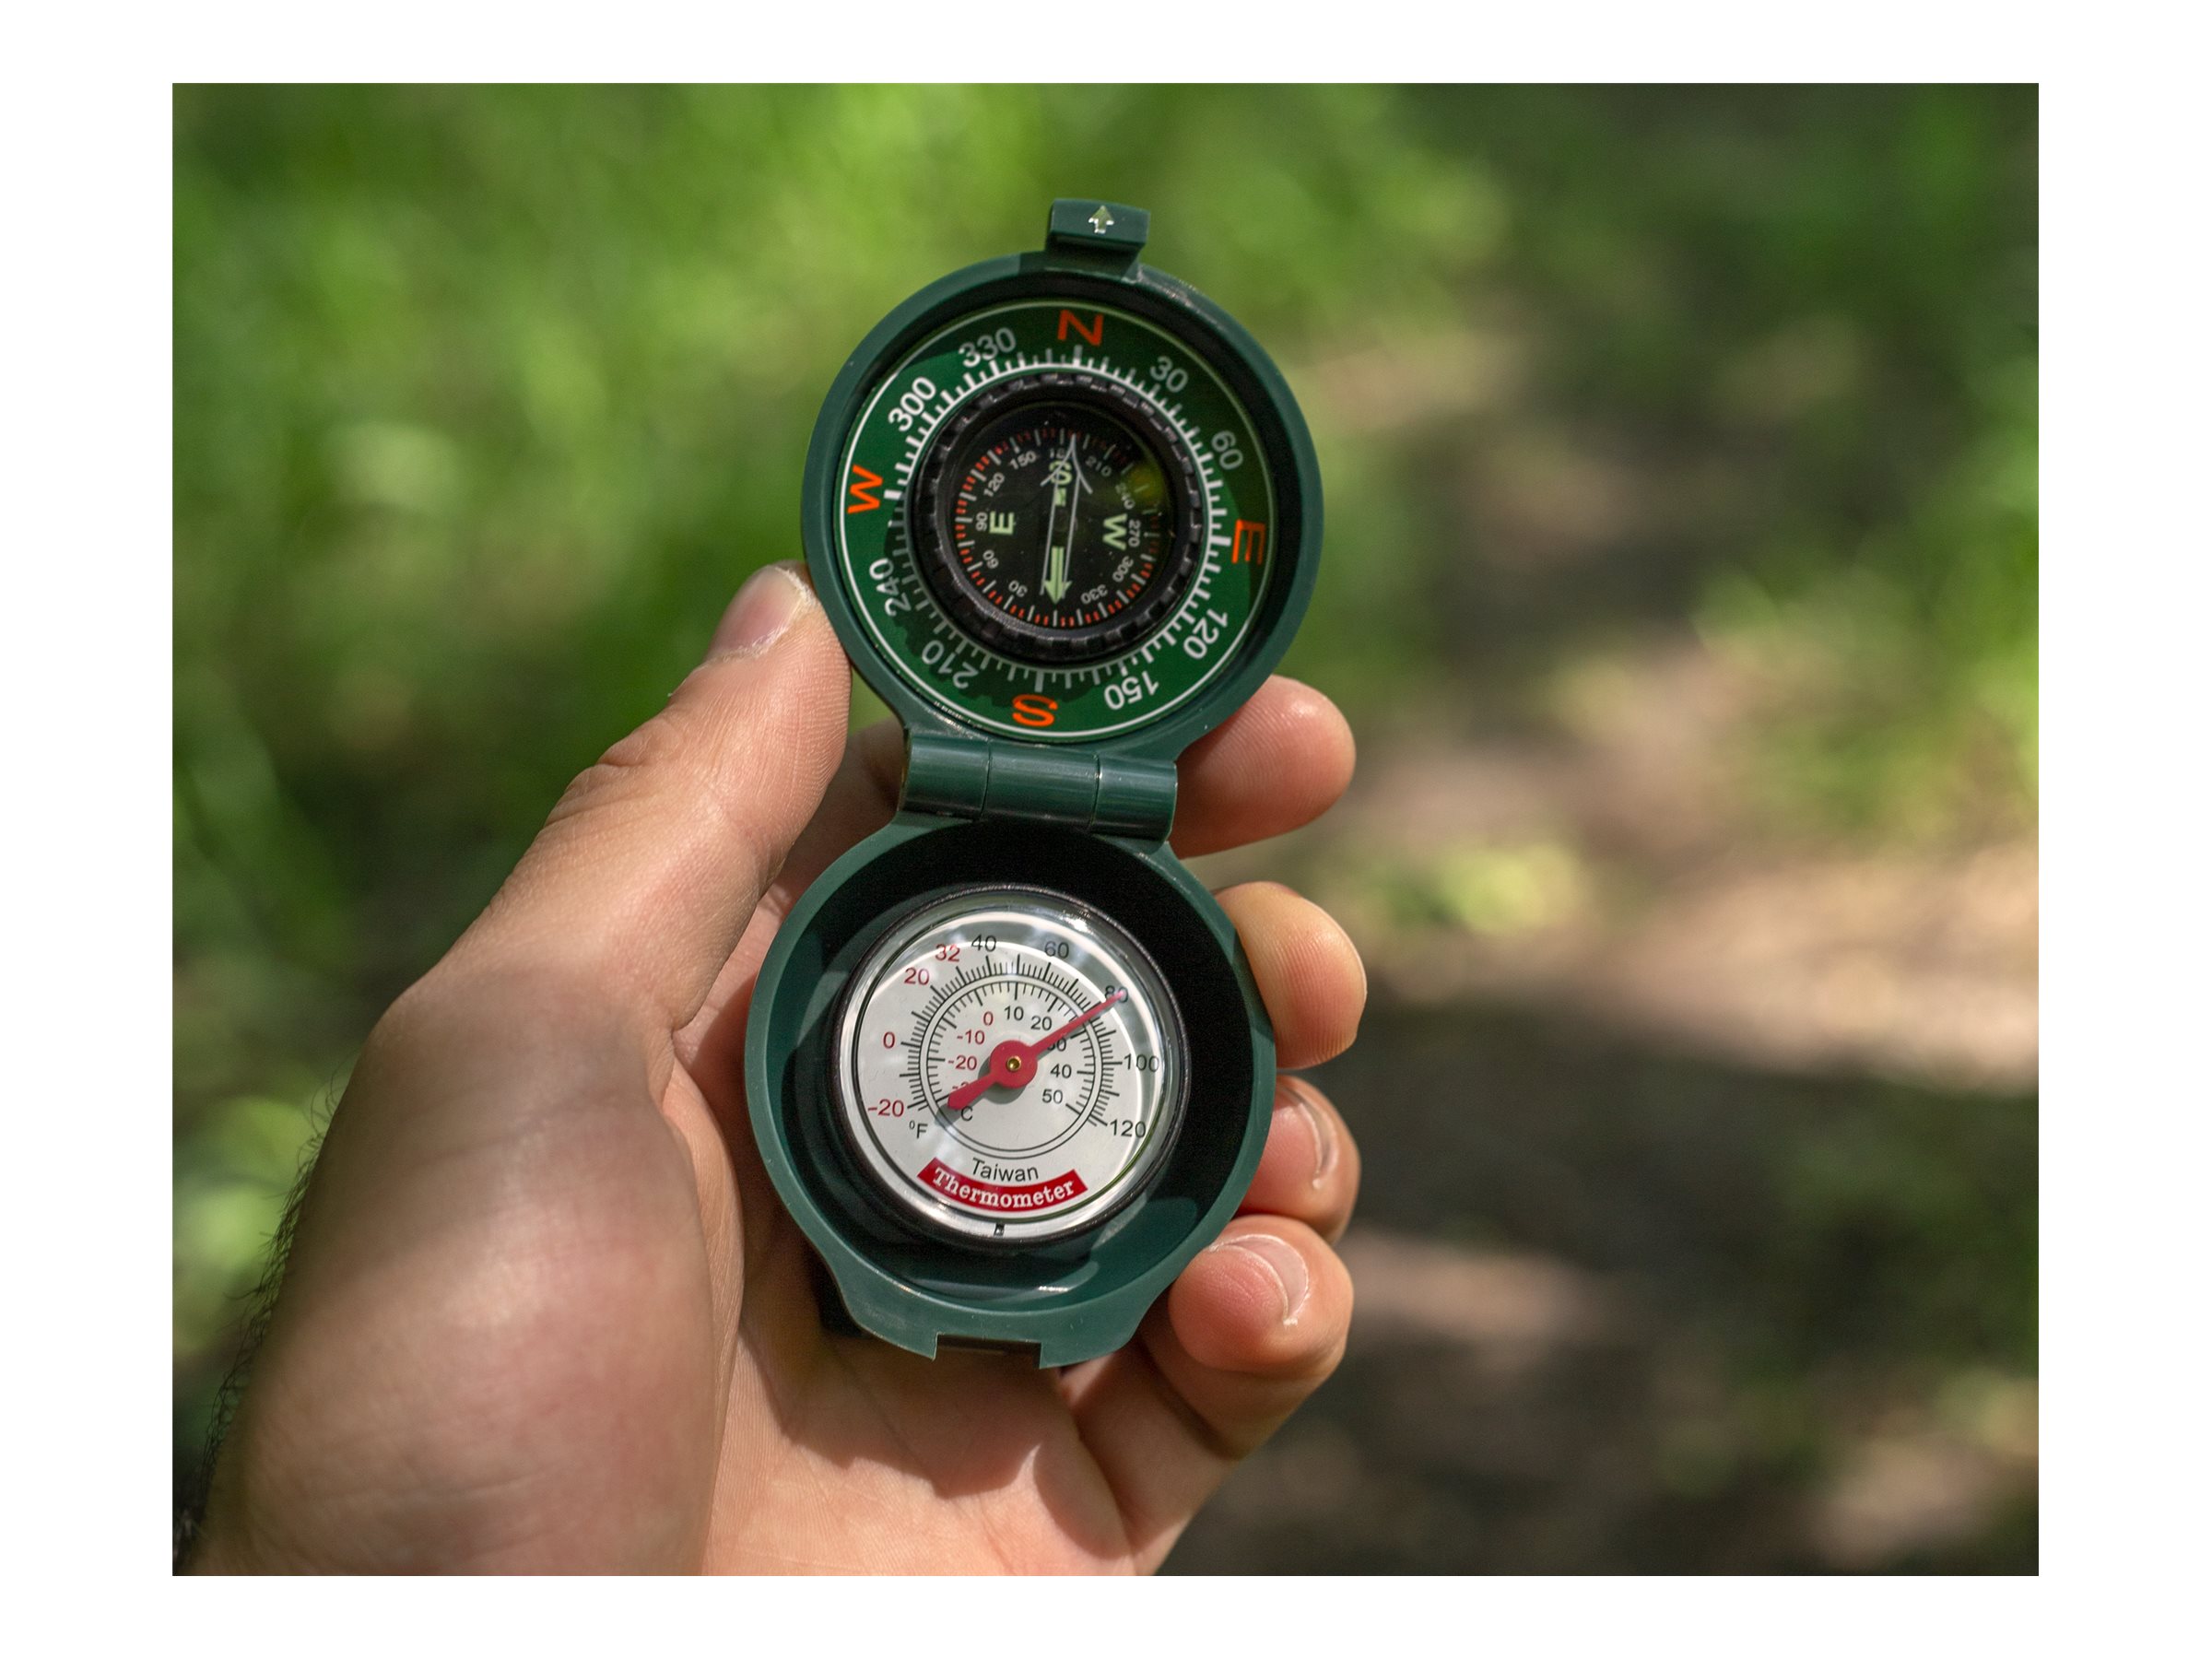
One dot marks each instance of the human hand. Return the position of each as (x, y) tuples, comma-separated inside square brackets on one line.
[(542, 1308)]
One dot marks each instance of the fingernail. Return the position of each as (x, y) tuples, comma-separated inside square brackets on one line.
[(1293, 1096), (1284, 1265), (763, 609)]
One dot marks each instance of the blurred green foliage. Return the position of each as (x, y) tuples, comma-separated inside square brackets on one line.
[(486, 400)]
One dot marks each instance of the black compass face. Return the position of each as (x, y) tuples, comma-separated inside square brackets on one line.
[(1058, 517)]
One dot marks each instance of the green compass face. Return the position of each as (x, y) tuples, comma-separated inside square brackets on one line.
[(1056, 519)]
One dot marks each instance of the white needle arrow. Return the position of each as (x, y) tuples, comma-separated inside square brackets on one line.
[(1055, 552)]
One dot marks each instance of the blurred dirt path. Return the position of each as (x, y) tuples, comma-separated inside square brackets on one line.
[(1616, 873), (1623, 1308)]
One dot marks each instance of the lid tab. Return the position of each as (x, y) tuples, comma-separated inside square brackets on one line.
[(1088, 235)]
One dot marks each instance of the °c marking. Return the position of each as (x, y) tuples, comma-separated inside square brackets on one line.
[(1091, 335)]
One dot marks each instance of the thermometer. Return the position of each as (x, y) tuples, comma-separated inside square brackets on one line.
[(1011, 1066)]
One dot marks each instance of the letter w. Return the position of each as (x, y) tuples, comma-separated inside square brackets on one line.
[(864, 486)]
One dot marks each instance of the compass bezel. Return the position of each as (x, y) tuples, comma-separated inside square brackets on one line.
[(922, 698)]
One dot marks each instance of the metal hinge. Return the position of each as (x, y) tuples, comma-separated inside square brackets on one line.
[(979, 778)]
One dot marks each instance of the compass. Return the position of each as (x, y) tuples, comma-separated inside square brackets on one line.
[(1006, 1063)]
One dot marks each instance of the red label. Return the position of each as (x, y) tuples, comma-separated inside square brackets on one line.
[(1006, 1200)]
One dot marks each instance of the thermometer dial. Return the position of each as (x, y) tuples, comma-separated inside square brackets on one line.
[(1012, 1067)]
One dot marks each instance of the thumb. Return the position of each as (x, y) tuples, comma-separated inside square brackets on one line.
[(649, 866)]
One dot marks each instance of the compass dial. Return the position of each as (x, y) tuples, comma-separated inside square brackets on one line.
[(1012, 1067), (1058, 517)]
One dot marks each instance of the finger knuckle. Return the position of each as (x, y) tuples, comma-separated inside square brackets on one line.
[(631, 764)]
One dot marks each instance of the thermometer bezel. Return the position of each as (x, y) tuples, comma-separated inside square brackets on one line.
[(1066, 1299)]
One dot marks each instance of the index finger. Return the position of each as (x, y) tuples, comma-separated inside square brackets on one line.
[(1278, 762)]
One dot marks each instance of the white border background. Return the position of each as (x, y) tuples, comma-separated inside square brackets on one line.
[(86, 124)]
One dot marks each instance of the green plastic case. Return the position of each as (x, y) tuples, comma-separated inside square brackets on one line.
[(1086, 815)]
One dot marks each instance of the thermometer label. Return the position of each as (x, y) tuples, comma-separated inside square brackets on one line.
[(1006, 1200), (1012, 1067)]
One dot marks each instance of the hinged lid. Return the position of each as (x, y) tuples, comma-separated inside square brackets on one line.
[(1051, 627)]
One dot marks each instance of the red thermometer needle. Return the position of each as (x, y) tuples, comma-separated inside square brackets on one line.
[(1012, 1062)]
